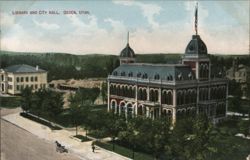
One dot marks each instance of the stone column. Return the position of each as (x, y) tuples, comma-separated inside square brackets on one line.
[(174, 107), (147, 112), (197, 70), (119, 109), (126, 111), (148, 93)]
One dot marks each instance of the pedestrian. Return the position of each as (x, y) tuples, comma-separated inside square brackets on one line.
[(93, 148)]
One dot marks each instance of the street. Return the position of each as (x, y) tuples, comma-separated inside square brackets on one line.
[(18, 144)]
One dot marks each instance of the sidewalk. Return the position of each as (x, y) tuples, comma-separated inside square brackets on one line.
[(82, 149)]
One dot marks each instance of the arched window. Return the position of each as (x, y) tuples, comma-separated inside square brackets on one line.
[(179, 97), (144, 94), (151, 95), (140, 94), (111, 89), (126, 94), (156, 95), (169, 98), (164, 97), (118, 90), (115, 90)]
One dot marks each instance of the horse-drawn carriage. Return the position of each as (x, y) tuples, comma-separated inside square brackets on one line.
[(60, 148)]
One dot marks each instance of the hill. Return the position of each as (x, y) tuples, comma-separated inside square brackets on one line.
[(66, 66)]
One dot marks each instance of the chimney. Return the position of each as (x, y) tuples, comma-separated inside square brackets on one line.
[(37, 67)]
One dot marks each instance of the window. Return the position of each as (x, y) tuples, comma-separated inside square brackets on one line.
[(170, 78), (17, 79), (145, 76), (35, 78), (21, 79), (139, 75), (130, 74), (180, 76), (27, 79), (10, 79), (18, 87), (32, 87), (115, 73), (190, 76), (123, 74), (2, 77), (157, 76), (10, 86), (35, 86), (31, 79), (22, 87)]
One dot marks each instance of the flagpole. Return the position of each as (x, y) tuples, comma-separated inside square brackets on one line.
[(196, 19)]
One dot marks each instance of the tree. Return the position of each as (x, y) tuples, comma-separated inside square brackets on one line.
[(76, 116), (26, 101), (104, 92), (244, 126), (79, 110), (179, 139), (161, 134), (201, 139), (93, 93)]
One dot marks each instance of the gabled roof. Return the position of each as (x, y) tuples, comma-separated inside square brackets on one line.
[(23, 68), (162, 71)]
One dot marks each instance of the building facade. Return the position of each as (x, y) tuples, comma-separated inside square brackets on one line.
[(15, 78), (168, 90), (241, 74)]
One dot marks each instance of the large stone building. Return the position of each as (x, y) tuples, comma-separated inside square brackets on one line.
[(14, 78), (169, 90)]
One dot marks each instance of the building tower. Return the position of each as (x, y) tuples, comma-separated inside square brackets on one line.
[(196, 54), (127, 55)]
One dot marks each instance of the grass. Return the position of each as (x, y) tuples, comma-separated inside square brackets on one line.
[(82, 138), (10, 102), (97, 134), (231, 147), (25, 115), (124, 151)]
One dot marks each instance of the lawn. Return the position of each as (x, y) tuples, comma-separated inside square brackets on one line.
[(38, 120), (10, 102), (124, 151), (82, 138), (231, 147)]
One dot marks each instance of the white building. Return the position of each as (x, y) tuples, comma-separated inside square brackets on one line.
[(14, 78)]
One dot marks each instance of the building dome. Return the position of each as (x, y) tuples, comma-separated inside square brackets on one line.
[(127, 52), (196, 46)]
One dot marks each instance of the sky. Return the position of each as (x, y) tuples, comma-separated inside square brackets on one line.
[(154, 26)]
